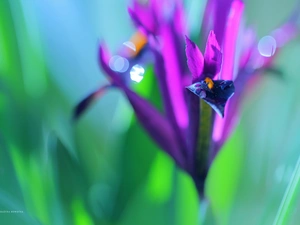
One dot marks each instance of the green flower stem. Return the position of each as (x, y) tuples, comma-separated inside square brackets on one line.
[(202, 154)]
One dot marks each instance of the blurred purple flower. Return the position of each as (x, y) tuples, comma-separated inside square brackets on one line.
[(251, 63), (187, 130)]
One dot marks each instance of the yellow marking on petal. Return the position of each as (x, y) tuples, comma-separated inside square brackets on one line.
[(209, 82)]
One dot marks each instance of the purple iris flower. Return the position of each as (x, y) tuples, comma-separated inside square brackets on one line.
[(188, 130), (204, 69)]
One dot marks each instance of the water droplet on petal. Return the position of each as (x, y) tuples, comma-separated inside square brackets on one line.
[(130, 45), (137, 73), (267, 46), (118, 64)]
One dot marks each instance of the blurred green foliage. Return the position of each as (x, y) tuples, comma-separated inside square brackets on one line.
[(104, 169)]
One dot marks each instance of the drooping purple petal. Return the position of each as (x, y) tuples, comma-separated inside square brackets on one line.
[(156, 125), (290, 29), (87, 101), (195, 60), (248, 46), (285, 33), (212, 56)]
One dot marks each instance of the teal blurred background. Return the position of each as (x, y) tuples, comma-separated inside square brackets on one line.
[(104, 169)]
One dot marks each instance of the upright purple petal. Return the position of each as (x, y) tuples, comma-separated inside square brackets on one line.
[(143, 15), (178, 28), (179, 17), (173, 77), (231, 33), (221, 12), (156, 125), (212, 56), (169, 103), (195, 60), (169, 72)]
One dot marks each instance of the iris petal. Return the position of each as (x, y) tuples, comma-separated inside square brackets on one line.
[(143, 15), (221, 10), (231, 33), (87, 101), (212, 56), (173, 72), (195, 59), (148, 27)]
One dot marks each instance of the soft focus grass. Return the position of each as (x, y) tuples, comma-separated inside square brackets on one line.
[(105, 169)]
